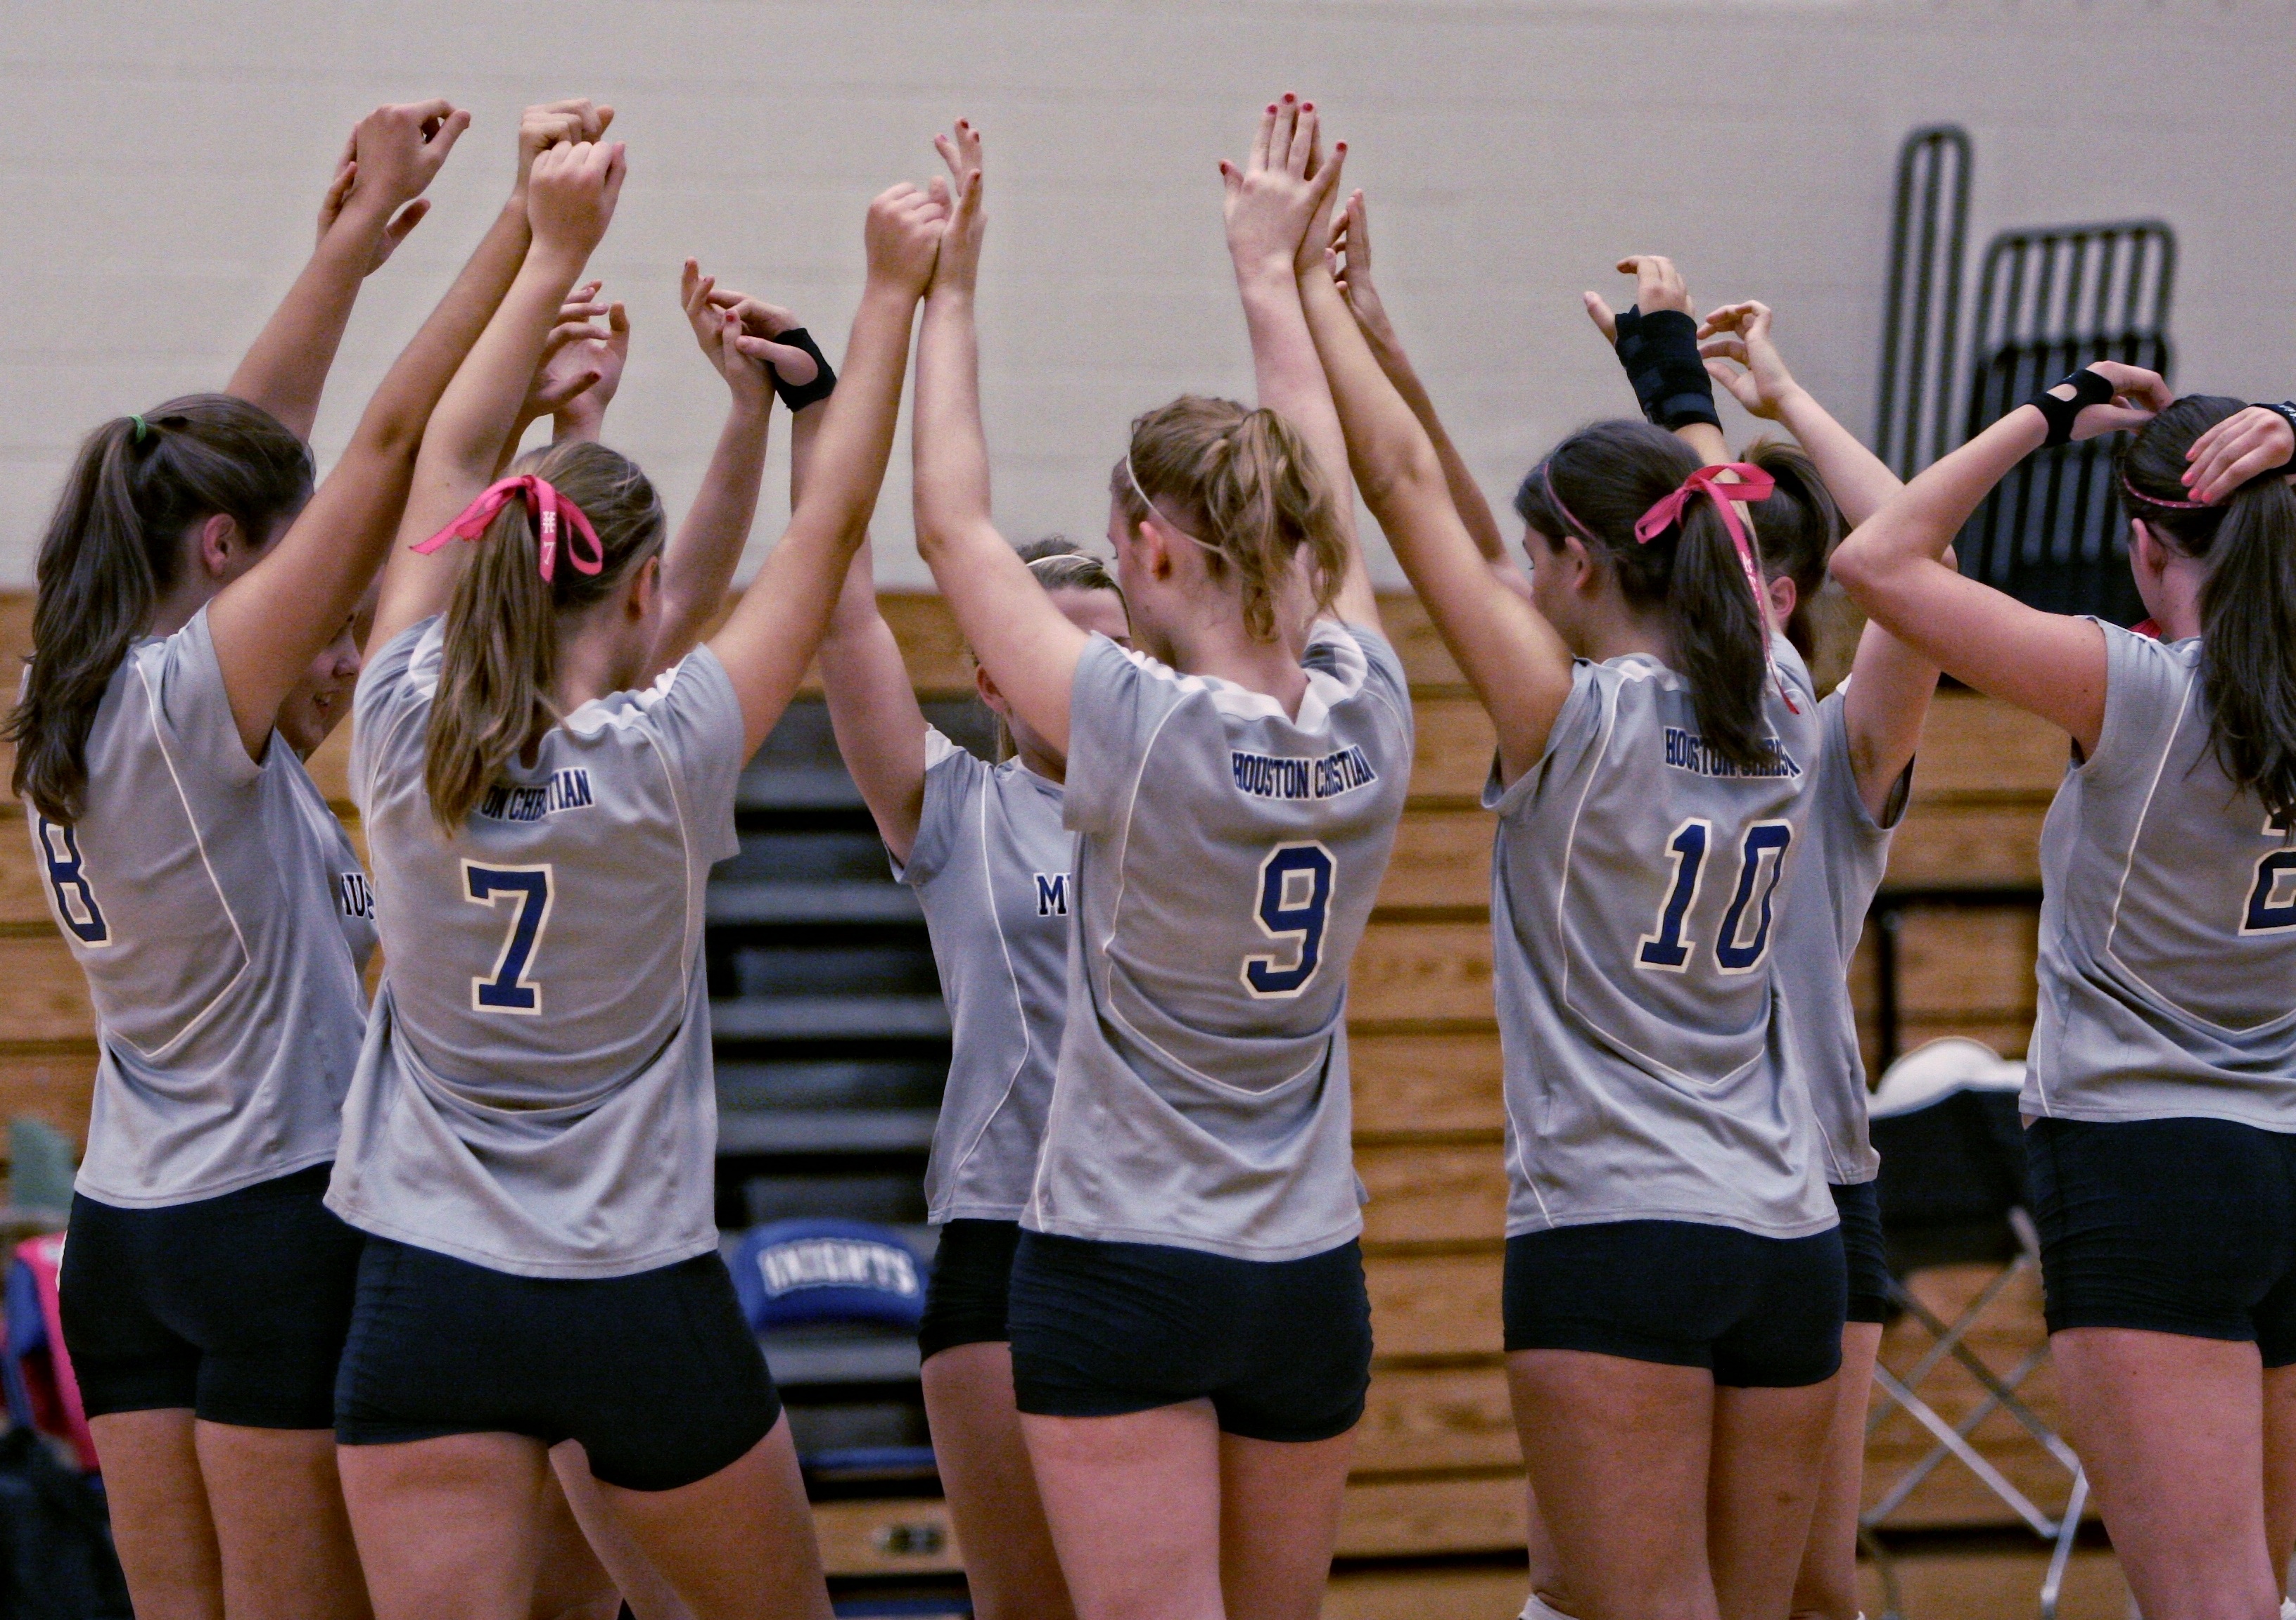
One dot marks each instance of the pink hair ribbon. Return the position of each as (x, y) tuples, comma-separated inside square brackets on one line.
[(544, 506), (1753, 485)]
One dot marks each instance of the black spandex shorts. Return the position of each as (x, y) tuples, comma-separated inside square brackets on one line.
[(971, 1285), (1860, 1210), (2171, 1225), (234, 1306), (1761, 1313), (1281, 1349), (657, 1374)]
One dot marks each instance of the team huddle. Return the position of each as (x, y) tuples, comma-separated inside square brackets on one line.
[(417, 1309)]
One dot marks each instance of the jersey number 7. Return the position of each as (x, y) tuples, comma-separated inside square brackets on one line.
[(510, 990)]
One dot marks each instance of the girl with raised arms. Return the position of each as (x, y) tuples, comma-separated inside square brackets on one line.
[(1675, 1274), (2160, 1086), (195, 595), (546, 765), (1189, 1330), (984, 848), (1869, 727)]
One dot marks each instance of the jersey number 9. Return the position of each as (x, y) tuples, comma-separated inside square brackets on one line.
[(509, 989), (1295, 897)]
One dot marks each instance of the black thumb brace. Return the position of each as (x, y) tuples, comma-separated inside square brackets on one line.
[(1659, 351)]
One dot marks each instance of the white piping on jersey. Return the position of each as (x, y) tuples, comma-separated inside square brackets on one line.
[(1012, 976), (199, 842), (2129, 866), (1325, 688), (1115, 921)]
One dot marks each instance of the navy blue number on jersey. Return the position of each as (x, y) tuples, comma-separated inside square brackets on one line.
[(2272, 898), (1761, 862), (1295, 897), (76, 904), (508, 990)]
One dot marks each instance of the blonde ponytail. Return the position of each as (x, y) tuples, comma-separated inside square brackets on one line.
[(1244, 486), (500, 661)]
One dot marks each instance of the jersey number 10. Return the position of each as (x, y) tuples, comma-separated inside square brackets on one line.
[(1664, 950)]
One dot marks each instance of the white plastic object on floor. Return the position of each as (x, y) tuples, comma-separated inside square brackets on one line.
[(1937, 1068)]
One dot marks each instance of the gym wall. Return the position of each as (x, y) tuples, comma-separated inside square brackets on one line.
[(163, 164)]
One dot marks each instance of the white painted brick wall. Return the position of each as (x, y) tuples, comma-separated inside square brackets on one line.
[(163, 163)]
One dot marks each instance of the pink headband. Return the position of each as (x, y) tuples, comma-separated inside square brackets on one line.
[(2136, 493), (1753, 485), (544, 504), (1547, 483)]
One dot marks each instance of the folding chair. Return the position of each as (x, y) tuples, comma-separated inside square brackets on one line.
[(1952, 1192)]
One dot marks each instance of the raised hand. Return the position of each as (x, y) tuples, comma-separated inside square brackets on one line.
[(760, 323), (581, 362), (2243, 445), (1275, 204), (1759, 378), (958, 267), (2137, 396), (733, 330), (903, 234), (1352, 269), (571, 195), (392, 156), (550, 124), (1658, 285)]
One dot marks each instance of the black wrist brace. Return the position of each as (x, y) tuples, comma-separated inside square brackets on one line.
[(798, 395), (2286, 410), (2088, 389), (1659, 351)]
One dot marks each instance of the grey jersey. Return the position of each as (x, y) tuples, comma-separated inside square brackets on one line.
[(1844, 853), (222, 923), (990, 866), (1228, 861), (535, 1094), (1635, 887), (2167, 970)]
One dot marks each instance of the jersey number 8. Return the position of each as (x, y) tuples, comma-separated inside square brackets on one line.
[(1664, 950), (508, 990), (76, 906), (1295, 897)]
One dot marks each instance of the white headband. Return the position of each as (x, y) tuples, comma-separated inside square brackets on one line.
[(1158, 511)]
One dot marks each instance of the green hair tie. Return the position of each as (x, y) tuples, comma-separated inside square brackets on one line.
[(143, 428)]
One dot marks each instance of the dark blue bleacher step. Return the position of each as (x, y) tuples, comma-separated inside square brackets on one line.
[(799, 768)]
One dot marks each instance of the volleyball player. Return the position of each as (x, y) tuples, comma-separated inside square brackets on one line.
[(2160, 1086), (1863, 775), (1871, 724), (1189, 1328), (547, 770), (984, 848), (192, 594), (1675, 1271)]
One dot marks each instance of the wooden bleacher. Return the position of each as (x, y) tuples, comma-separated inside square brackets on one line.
[(1438, 1473)]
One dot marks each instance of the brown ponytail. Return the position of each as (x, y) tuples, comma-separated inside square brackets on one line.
[(1799, 526), (1595, 485), (1245, 485), (113, 548), (500, 660), (2248, 602)]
